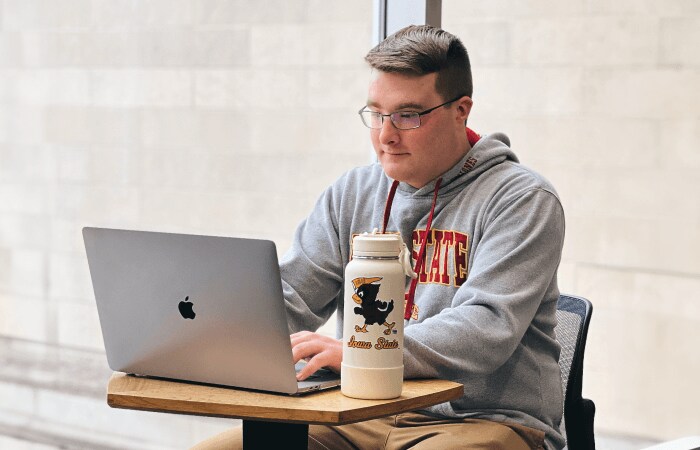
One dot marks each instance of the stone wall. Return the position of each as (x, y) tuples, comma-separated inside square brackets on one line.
[(219, 117), (213, 117), (604, 99)]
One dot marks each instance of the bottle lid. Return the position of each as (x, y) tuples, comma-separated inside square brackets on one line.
[(387, 245)]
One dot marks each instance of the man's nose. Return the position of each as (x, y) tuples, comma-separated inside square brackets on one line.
[(388, 133)]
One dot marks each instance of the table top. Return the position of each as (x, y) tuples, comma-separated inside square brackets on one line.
[(328, 407)]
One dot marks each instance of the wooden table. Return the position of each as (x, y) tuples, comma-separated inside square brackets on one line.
[(270, 420)]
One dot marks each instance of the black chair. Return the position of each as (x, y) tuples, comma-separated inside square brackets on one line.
[(573, 316)]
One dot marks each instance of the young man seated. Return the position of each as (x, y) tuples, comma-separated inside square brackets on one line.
[(483, 313)]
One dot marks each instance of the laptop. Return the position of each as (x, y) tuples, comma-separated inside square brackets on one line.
[(204, 309)]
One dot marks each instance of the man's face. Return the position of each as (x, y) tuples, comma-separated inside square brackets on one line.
[(419, 155)]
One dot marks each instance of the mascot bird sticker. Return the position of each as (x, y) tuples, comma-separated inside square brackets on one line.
[(373, 310)]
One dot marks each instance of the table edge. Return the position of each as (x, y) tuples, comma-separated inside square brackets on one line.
[(131, 400)]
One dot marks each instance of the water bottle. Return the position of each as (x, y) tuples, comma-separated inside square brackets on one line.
[(375, 280)]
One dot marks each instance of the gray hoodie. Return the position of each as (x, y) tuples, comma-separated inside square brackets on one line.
[(484, 312)]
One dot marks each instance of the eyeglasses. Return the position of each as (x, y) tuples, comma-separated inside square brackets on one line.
[(401, 120)]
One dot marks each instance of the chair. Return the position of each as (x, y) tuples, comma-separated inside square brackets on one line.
[(573, 317)]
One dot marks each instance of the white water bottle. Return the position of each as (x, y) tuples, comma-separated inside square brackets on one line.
[(375, 281)]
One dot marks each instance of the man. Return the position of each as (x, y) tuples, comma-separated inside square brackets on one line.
[(484, 308)]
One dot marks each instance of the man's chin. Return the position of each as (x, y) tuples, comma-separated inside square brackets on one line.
[(394, 171), (397, 172)]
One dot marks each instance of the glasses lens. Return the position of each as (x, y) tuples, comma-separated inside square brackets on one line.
[(406, 120), (371, 119)]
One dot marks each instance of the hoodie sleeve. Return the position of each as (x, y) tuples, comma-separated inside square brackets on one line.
[(312, 268), (512, 270)]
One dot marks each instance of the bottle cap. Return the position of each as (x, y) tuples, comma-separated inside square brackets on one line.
[(387, 245)]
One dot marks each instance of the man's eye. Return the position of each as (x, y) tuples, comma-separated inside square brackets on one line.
[(405, 115)]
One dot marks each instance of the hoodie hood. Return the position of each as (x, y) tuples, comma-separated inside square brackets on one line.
[(489, 151)]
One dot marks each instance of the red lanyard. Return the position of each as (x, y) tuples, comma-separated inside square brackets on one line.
[(420, 262)]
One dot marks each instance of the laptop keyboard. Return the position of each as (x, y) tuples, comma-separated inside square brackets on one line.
[(320, 374)]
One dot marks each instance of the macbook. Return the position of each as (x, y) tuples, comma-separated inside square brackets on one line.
[(198, 308)]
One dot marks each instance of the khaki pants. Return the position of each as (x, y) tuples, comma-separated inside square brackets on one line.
[(404, 431)]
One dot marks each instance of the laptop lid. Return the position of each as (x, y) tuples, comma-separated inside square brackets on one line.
[(198, 308)]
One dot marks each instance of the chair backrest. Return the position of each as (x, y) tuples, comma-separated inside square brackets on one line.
[(573, 317)]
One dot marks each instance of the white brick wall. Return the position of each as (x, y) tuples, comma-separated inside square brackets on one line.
[(603, 98), (193, 116), (212, 116), (24, 317)]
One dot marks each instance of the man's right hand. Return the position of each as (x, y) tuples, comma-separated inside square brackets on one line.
[(318, 350)]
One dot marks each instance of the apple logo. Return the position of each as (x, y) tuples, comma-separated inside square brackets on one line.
[(185, 308)]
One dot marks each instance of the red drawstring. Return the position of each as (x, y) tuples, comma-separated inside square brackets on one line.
[(421, 253), (420, 262), (389, 201)]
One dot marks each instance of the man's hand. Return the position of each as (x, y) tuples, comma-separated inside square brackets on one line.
[(318, 350)]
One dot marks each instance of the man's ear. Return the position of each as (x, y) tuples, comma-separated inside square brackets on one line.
[(464, 107)]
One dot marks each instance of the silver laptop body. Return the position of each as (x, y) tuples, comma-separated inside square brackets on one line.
[(197, 308)]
